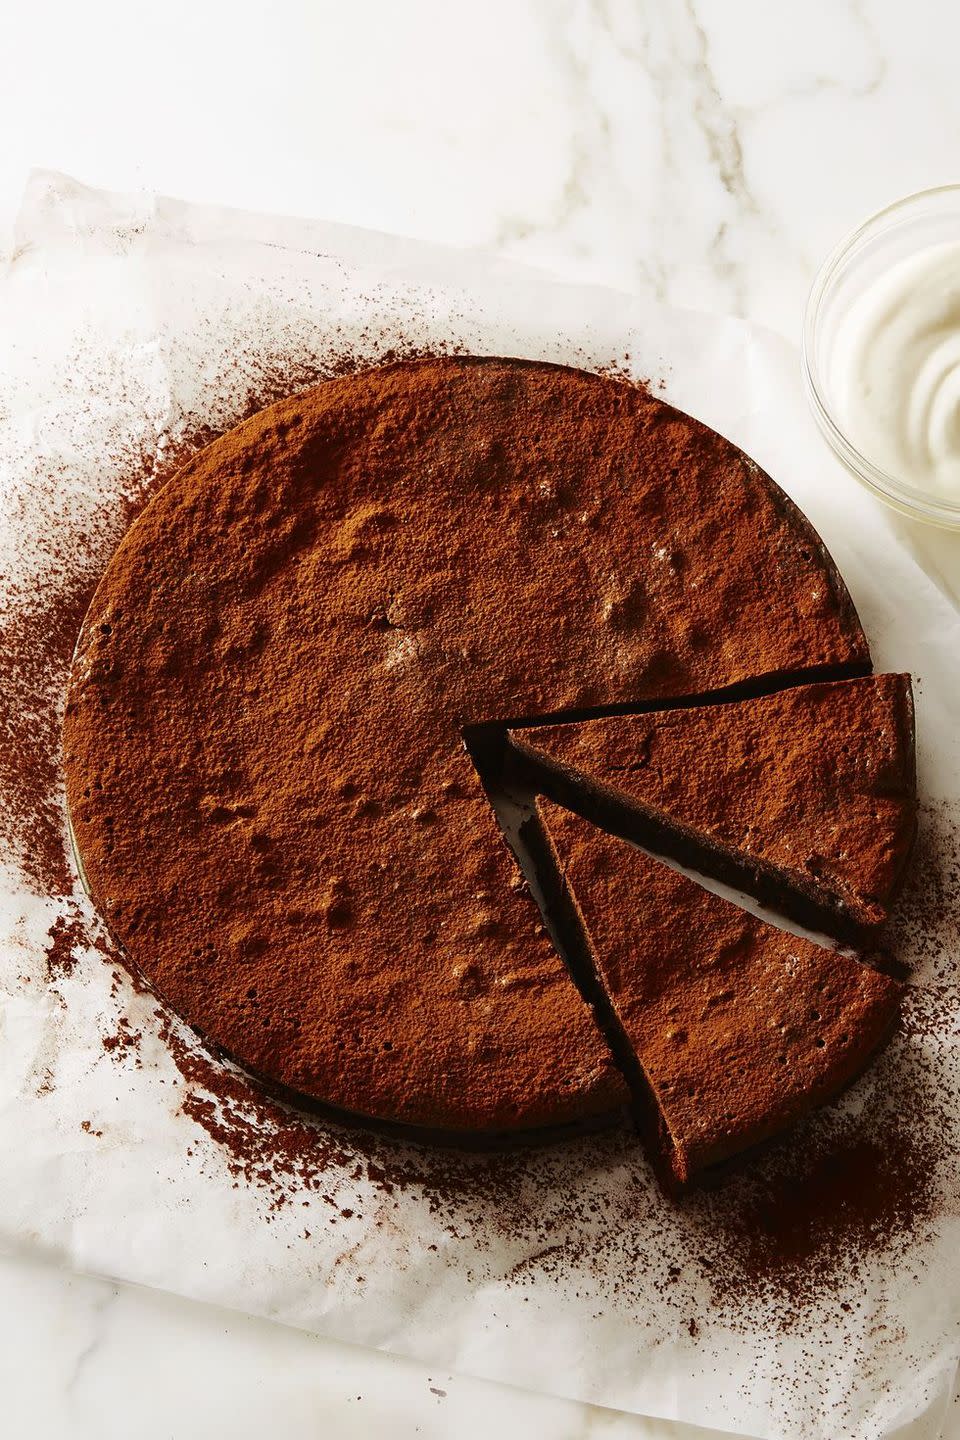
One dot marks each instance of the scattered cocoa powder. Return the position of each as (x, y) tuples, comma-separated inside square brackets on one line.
[(66, 934), (125, 1039)]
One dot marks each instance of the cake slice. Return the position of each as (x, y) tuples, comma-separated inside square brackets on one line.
[(736, 1028), (806, 798)]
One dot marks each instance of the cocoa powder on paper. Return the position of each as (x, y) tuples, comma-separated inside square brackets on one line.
[(787, 1232)]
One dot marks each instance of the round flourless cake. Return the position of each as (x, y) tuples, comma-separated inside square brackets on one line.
[(267, 777)]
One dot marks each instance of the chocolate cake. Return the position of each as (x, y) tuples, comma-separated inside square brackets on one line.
[(806, 798), (264, 737), (738, 1028)]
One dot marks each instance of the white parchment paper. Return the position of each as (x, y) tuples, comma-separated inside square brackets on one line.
[(132, 327)]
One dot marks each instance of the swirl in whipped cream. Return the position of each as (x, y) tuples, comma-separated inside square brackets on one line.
[(896, 371)]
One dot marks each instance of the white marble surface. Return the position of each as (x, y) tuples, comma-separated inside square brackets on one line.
[(84, 1359), (708, 153)]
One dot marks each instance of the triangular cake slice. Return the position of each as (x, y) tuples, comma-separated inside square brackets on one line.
[(806, 798), (739, 1028)]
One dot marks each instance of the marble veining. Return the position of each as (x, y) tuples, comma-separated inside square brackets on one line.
[(653, 103)]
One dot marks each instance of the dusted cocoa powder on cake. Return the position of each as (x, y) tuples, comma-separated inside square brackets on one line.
[(263, 742), (806, 797)]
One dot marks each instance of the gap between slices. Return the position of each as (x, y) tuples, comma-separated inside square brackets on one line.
[(560, 851), (486, 731)]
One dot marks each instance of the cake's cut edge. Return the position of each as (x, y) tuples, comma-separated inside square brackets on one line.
[(567, 925)]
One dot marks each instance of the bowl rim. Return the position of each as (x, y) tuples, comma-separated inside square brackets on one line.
[(907, 499)]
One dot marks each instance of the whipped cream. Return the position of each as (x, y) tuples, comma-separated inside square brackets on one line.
[(896, 371)]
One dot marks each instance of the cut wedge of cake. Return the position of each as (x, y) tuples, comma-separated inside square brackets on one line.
[(737, 1028), (805, 797)]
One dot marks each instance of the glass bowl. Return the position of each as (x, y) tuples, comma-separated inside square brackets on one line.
[(887, 238)]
